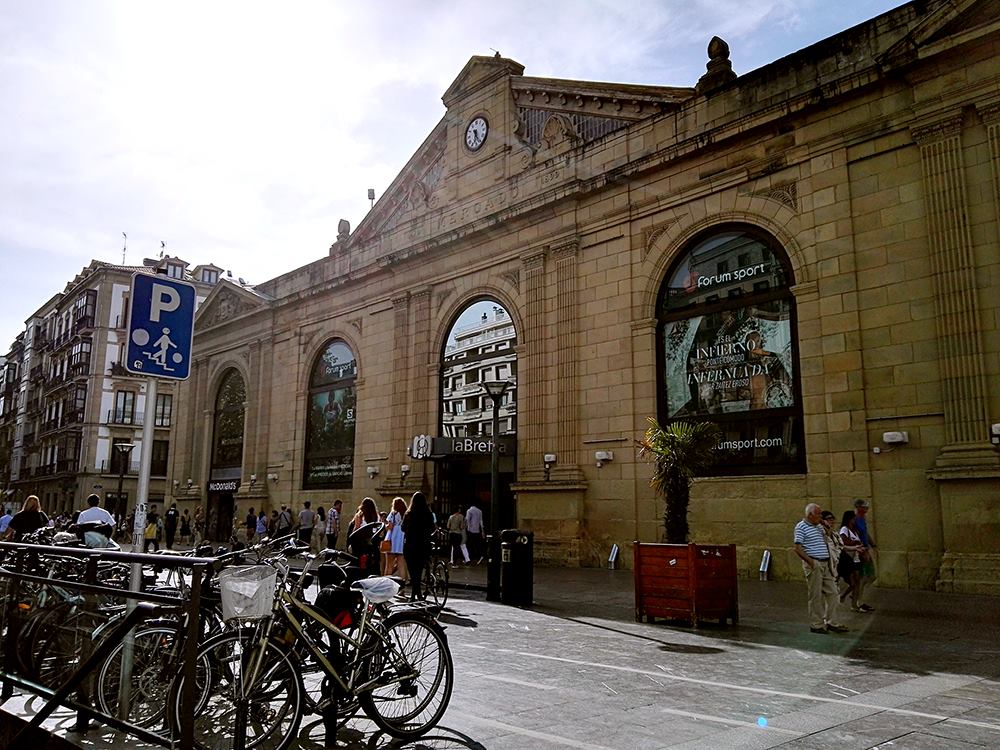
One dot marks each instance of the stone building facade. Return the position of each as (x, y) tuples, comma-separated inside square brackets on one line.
[(68, 401), (805, 254)]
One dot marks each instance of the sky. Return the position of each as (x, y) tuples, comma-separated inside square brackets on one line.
[(239, 133)]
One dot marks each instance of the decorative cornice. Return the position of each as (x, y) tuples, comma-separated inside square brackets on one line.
[(566, 250), (989, 112), (947, 127), (534, 260), (401, 300)]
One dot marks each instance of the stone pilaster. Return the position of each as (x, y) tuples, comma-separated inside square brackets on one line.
[(957, 305), (531, 368), (566, 436), (991, 119), (420, 411), (400, 369)]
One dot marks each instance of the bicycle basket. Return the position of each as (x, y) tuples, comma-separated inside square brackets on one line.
[(247, 591)]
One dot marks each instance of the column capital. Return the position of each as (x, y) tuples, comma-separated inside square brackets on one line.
[(944, 127)]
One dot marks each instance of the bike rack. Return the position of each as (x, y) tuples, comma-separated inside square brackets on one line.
[(15, 572)]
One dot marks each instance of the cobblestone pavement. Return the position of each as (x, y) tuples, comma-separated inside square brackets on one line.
[(576, 671)]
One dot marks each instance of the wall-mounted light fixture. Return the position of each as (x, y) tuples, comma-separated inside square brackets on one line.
[(272, 477), (372, 471), (253, 479), (403, 471), (190, 483), (603, 457), (547, 461), (176, 483)]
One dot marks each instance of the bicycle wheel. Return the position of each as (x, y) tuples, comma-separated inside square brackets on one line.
[(154, 666), (440, 583), (268, 711), (60, 648), (413, 678)]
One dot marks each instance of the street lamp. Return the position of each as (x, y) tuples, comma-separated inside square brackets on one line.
[(124, 451), (495, 390)]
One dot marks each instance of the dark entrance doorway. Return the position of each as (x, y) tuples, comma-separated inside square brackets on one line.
[(462, 481), (221, 509)]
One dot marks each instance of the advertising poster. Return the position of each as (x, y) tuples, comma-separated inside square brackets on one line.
[(736, 360), (331, 439)]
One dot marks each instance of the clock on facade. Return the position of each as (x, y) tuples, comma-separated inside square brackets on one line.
[(475, 133)]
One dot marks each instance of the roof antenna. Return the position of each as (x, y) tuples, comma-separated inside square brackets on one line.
[(124, 247), (496, 52), (163, 246)]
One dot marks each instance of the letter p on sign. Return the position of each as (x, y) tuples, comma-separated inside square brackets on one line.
[(165, 299)]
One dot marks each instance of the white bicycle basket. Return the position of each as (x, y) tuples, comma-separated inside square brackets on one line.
[(247, 591)]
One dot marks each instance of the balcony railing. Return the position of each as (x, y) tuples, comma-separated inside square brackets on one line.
[(83, 324), (117, 370), (124, 418), (114, 467), (79, 366)]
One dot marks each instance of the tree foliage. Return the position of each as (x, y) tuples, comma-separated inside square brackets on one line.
[(678, 451)]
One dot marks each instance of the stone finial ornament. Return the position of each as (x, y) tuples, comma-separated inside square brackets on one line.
[(720, 70), (343, 230)]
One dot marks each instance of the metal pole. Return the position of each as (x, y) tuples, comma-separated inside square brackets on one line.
[(495, 468), (138, 529)]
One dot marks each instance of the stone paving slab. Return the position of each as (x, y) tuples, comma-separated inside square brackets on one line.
[(577, 671)]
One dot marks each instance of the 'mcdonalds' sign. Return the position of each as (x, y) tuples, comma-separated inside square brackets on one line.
[(482, 446), (224, 485)]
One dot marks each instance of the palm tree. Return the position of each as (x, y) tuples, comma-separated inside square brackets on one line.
[(679, 451)]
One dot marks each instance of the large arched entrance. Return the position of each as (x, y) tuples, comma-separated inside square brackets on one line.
[(479, 350), (227, 455)]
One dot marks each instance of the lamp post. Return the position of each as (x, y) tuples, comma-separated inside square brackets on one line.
[(124, 451), (495, 390)]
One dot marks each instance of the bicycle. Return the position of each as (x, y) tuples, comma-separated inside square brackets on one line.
[(394, 662)]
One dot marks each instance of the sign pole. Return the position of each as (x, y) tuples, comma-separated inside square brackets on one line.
[(138, 542)]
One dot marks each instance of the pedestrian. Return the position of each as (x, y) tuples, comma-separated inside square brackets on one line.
[(199, 525), (367, 513), (307, 519), (333, 524), (30, 518), (474, 532), (849, 563), (319, 530), (170, 522), (4, 520), (261, 528), (272, 524), (283, 526), (418, 525), (394, 564), (101, 523), (868, 572), (821, 583), (456, 527), (151, 536), (250, 523), (185, 527)]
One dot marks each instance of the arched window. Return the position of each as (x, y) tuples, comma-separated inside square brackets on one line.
[(329, 456), (230, 416), (479, 348), (727, 349)]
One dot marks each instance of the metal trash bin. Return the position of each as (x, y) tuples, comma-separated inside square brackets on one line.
[(517, 567)]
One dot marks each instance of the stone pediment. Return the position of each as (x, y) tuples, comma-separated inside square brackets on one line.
[(413, 191), (226, 302), (480, 71)]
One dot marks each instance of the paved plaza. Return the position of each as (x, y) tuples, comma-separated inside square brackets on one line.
[(577, 671)]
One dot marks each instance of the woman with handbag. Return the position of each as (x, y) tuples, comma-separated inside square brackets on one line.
[(393, 544)]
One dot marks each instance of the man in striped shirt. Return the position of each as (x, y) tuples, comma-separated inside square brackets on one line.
[(821, 583)]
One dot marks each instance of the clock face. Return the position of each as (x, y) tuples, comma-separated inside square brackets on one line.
[(475, 133)]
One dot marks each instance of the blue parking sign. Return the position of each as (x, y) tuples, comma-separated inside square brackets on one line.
[(160, 327)]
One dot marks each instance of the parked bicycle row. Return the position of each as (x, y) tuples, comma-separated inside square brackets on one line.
[(268, 652)]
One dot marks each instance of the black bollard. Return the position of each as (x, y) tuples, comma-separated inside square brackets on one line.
[(330, 724)]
